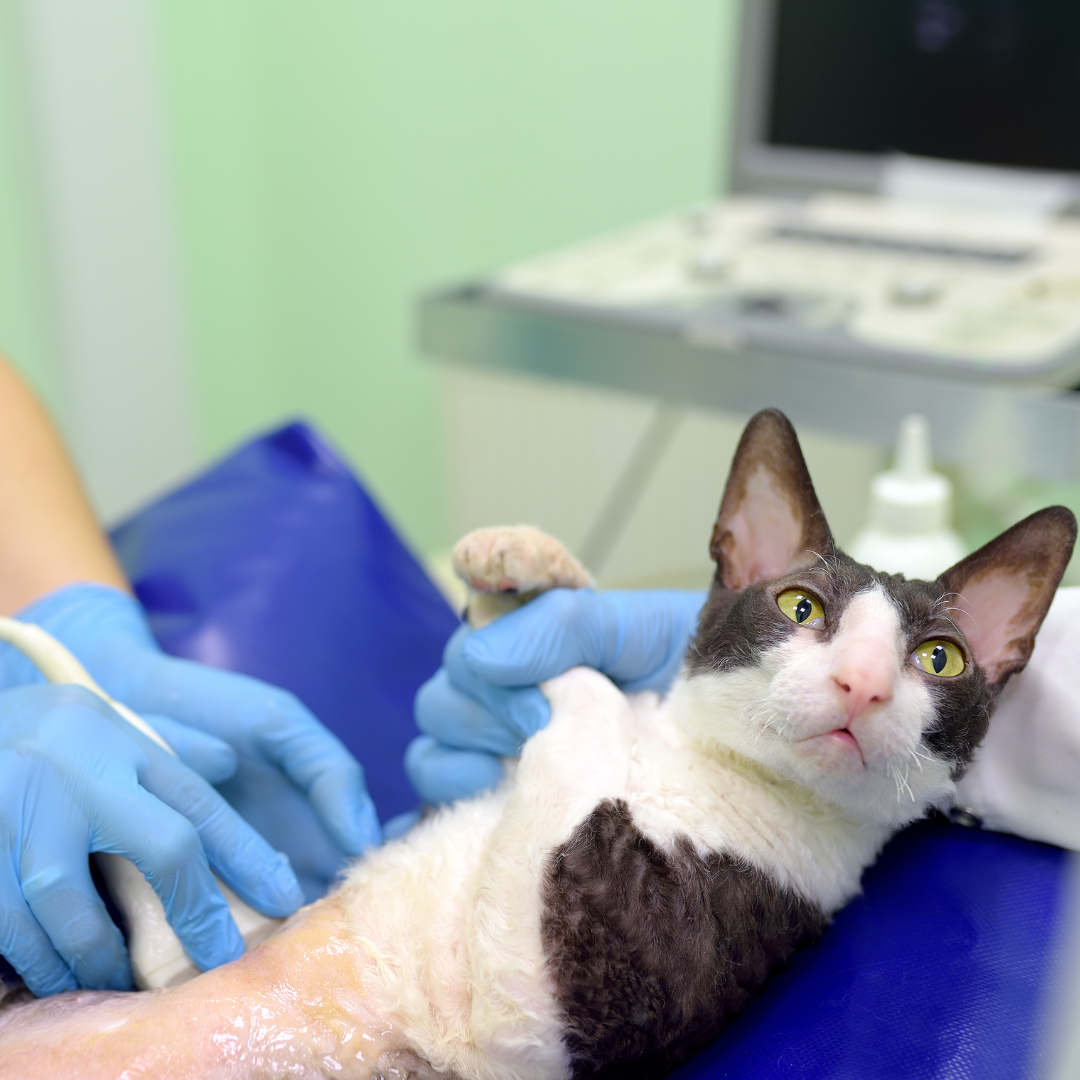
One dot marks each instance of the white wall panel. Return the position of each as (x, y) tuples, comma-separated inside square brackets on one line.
[(97, 121), (527, 450)]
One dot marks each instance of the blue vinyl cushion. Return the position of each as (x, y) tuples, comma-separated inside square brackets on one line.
[(276, 563), (941, 970)]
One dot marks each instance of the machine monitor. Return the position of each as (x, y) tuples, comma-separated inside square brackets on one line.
[(832, 88)]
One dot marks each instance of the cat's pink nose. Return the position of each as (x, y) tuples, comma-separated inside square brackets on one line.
[(863, 686)]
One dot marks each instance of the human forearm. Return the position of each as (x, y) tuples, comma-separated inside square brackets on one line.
[(49, 536), (294, 1005)]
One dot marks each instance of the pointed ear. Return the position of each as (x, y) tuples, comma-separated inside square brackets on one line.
[(1000, 593), (770, 520)]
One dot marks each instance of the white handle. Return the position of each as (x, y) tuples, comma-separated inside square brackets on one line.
[(58, 665)]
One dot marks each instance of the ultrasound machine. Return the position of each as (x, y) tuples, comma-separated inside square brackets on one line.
[(897, 234)]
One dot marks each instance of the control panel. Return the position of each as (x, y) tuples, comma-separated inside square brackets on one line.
[(856, 277)]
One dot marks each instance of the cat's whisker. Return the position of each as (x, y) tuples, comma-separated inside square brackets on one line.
[(904, 781), (900, 780), (890, 773), (918, 758)]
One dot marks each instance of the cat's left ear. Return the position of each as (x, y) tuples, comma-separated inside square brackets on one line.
[(999, 595)]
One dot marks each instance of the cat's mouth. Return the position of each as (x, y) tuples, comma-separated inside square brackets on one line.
[(840, 739)]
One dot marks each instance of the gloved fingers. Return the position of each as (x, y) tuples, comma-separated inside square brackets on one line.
[(489, 718), (213, 759), (165, 846), (318, 763), (63, 900), (283, 815), (261, 876), (520, 711), (400, 824), (557, 631), (634, 637), (345, 808), (442, 774), (271, 723), (25, 945), (655, 629), (220, 703)]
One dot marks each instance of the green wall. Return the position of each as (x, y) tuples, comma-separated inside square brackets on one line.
[(336, 157)]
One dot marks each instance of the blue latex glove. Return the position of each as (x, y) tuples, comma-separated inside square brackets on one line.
[(274, 762), (483, 702), (75, 778)]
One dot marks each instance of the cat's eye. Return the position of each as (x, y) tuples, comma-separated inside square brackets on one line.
[(801, 607), (939, 658)]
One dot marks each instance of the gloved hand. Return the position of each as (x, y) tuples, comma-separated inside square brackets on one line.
[(74, 778), (278, 763), (483, 701)]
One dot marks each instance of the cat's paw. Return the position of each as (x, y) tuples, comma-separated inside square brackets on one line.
[(516, 559)]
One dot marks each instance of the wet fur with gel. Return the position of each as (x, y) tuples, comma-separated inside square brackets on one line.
[(648, 861)]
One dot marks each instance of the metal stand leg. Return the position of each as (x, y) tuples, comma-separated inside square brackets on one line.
[(629, 487)]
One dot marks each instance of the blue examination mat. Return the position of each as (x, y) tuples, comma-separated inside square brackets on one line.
[(277, 563), (951, 965)]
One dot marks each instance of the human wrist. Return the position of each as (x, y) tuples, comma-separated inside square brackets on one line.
[(100, 624), (57, 606)]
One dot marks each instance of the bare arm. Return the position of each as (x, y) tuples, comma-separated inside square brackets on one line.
[(296, 1003), (49, 536)]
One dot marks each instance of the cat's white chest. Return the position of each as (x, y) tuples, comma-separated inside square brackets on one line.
[(730, 806), (601, 747)]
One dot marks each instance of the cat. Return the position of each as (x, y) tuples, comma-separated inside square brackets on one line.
[(648, 861)]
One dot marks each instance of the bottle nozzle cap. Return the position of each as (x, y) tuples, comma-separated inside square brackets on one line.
[(911, 497), (913, 448)]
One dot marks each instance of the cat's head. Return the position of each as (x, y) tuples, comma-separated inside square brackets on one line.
[(870, 690)]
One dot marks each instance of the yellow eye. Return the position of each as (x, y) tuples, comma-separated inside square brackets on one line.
[(939, 658), (801, 607)]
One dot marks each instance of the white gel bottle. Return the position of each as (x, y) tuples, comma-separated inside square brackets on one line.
[(909, 529)]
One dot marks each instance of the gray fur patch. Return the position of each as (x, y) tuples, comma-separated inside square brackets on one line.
[(653, 953)]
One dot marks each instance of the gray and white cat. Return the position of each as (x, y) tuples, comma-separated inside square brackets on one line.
[(650, 860)]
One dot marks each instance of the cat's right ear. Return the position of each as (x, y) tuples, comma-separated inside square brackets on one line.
[(770, 521)]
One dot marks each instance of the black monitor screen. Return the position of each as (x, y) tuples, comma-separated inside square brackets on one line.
[(992, 81)]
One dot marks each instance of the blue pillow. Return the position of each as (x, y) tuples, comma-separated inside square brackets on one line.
[(278, 564), (944, 969)]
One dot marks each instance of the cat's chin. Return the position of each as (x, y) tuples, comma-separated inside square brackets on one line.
[(835, 771)]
